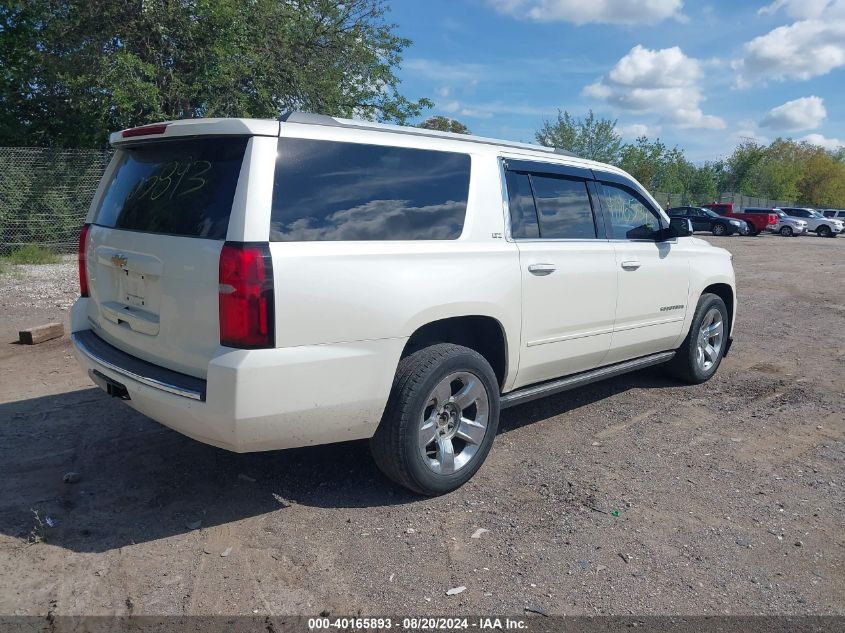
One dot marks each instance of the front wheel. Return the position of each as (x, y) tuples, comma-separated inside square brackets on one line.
[(440, 420), (719, 229), (786, 231), (699, 356), (824, 231)]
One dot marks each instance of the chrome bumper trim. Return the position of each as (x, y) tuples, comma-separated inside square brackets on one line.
[(123, 364)]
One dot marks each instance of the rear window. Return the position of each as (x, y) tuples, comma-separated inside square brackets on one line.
[(329, 191), (174, 187)]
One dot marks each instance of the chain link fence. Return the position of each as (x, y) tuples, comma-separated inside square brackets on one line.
[(669, 200), (45, 194)]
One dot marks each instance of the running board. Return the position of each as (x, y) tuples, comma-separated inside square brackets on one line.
[(543, 389)]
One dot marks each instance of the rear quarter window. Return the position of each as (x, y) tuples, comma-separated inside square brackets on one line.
[(175, 187), (330, 191)]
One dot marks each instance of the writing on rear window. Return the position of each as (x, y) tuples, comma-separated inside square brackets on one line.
[(174, 187), (326, 190)]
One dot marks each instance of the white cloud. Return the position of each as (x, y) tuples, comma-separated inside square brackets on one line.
[(807, 48), (823, 141), (595, 11), (805, 113), (804, 9), (635, 130), (664, 82)]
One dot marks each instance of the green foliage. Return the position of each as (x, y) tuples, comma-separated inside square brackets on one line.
[(73, 70), (788, 170), (783, 170), (444, 124), (590, 137), (33, 254), (644, 160)]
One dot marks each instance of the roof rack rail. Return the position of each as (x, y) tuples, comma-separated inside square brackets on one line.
[(294, 116)]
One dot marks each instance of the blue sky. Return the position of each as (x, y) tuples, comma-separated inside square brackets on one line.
[(701, 75)]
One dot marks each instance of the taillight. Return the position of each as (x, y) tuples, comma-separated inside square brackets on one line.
[(83, 269), (144, 130), (246, 296)]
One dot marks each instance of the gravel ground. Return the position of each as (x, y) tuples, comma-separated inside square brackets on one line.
[(635, 495), (34, 290)]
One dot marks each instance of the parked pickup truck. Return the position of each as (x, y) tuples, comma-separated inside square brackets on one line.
[(260, 285), (757, 222)]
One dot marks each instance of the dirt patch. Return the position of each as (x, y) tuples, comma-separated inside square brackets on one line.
[(635, 495)]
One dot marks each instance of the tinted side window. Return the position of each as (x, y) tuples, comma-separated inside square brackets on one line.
[(521, 206), (563, 206), (630, 217), (676, 213), (329, 191)]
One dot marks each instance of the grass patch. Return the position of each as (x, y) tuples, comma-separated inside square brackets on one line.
[(32, 254)]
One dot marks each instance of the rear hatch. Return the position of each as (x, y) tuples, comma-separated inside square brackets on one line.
[(154, 245)]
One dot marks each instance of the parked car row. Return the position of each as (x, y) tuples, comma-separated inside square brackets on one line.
[(725, 218)]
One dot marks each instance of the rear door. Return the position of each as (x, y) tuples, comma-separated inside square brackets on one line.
[(154, 246), (568, 271), (653, 275)]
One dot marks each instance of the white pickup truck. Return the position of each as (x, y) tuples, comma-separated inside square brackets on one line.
[(261, 284)]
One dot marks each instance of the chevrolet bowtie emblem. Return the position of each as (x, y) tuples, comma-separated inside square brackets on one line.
[(118, 260)]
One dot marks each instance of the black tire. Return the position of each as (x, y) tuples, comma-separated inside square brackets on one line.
[(752, 231), (824, 231), (395, 445), (684, 366), (719, 229), (786, 231)]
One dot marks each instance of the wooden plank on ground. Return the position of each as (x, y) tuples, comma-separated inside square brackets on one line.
[(41, 333)]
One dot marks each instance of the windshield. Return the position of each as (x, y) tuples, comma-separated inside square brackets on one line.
[(710, 213)]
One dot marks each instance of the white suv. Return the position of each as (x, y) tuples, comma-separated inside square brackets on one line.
[(823, 227), (260, 285)]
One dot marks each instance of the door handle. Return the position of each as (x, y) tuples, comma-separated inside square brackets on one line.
[(541, 269), (631, 264)]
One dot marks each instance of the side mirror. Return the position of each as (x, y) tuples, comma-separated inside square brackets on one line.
[(679, 227)]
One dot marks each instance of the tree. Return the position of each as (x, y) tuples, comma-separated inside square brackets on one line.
[(590, 137), (644, 160), (444, 124), (72, 70), (823, 182)]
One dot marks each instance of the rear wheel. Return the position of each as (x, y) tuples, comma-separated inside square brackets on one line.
[(786, 231), (440, 420), (752, 230), (719, 229), (824, 231), (699, 356)]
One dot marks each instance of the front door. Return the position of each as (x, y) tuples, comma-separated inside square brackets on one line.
[(653, 276)]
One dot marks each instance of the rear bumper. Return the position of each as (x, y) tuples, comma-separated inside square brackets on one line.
[(257, 400), (124, 366)]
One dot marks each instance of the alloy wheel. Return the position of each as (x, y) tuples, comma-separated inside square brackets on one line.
[(710, 339), (453, 422)]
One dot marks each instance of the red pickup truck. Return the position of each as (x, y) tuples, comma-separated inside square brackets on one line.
[(757, 222)]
